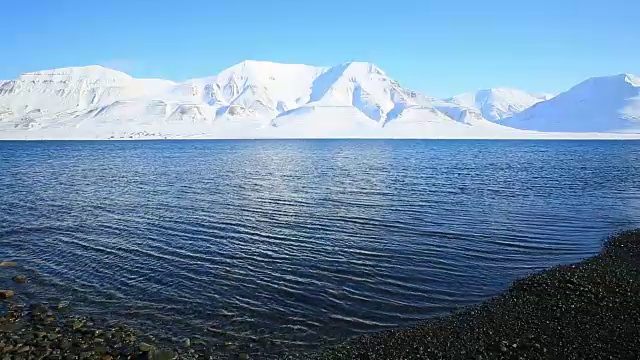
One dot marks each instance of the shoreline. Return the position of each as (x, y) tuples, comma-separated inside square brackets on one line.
[(534, 137), (586, 310)]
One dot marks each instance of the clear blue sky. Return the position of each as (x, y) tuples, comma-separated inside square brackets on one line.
[(438, 47)]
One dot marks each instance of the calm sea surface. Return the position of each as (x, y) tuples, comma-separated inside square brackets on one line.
[(297, 242)]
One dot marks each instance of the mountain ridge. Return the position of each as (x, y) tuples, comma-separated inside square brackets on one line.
[(256, 96), (598, 104)]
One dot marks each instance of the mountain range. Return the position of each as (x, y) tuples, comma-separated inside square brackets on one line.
[(258, 99)]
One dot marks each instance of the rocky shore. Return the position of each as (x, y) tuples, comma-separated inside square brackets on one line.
[(51, 331), (588, 310)]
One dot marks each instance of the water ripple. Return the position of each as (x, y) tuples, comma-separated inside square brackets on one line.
[(301, 242)]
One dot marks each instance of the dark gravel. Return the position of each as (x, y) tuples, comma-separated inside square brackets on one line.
[(589, 310)]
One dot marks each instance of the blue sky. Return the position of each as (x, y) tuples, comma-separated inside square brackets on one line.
[(438, 47)]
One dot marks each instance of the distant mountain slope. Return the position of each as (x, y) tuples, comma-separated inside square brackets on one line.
[(56, 90), (599, 104), (259, 94), (497, 103), (259, 98)]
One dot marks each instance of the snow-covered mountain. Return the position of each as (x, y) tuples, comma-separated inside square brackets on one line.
[(249, 99), (58, 90), (252, 98), (498, 103), (599, 104)]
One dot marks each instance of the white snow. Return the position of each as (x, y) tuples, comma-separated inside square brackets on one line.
[(599, 104), (259, 99), (498, 103)]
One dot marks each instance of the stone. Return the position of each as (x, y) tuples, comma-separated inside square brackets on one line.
[(62, 305), (164, 355), (20, 279), (144, 347), (11, 327), (186, 342), (5, 294), (243, 356), (124, 350), (38, 309), (77, 324), (7, 264)]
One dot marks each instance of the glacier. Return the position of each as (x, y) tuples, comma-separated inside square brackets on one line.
[(260, 99)]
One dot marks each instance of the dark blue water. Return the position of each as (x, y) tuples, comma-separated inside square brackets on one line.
[(301, 242)]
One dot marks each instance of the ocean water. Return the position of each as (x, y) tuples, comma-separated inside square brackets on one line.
[(290, 245)]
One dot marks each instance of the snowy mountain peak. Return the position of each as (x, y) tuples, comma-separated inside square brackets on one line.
[(599, 104), (609, 86), (52, 93), (496, 103), (632, 79), (262, 97), (91, 72), (263, 67), (363, 67)]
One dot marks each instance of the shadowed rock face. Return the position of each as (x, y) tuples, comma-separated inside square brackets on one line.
[(589, 310)]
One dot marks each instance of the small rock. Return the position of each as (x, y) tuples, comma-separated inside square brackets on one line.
[(164, 355), (186, 342), (124, 350), (37, 309), (243, 356), (144, 347), (20, 279), (61, 305), (7, 264), (5, 294), (107, 357), (10, 327), (77, 324), (23, 349)]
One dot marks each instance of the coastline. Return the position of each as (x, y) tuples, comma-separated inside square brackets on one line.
[(586, 310)]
